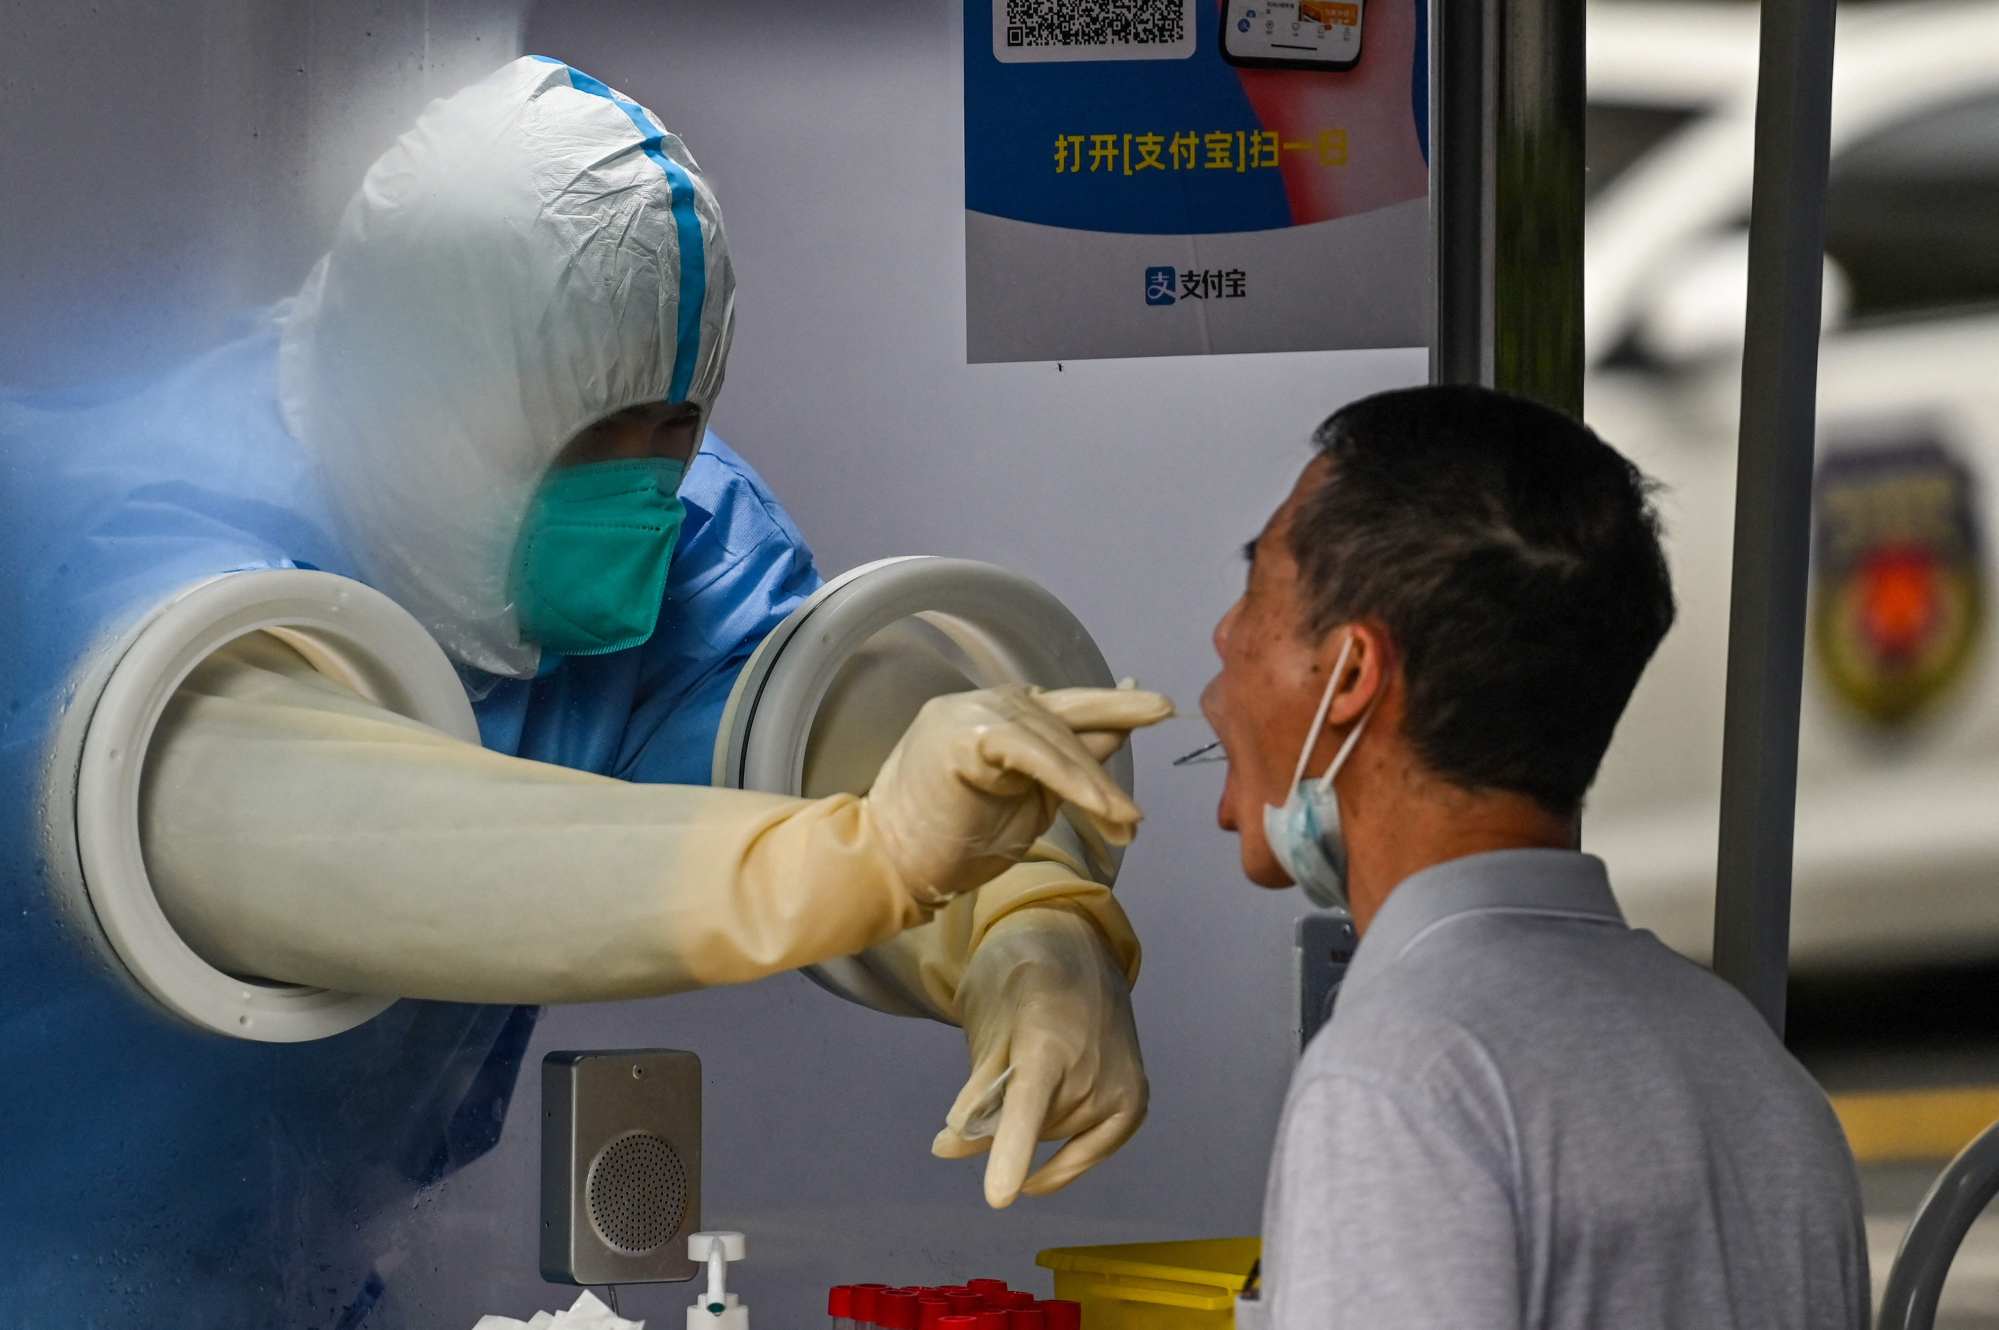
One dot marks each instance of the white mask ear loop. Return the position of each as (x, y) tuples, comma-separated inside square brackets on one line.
[(1318, 720), (1340, 758)]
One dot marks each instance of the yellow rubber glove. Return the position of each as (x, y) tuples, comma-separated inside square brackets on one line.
[(980, 776), (295, 831), (1046, 1005)]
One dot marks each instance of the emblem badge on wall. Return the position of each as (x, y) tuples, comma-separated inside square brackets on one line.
[(1899, 589)]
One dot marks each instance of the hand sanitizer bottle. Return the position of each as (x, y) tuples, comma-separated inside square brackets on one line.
[(718, 1309)]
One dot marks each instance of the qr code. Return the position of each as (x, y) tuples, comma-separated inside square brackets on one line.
[(1027, 31)]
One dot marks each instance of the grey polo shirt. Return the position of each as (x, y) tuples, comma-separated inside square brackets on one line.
[(1525, 1113)]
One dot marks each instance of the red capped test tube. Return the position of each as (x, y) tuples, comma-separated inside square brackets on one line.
[(895, 1309), (1062, 1314), (966, 1304), (862, 1299), (929, 1311), (986, 1287), (840, 1307), (1017, 1299)]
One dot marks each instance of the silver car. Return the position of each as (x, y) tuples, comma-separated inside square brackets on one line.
[(1898, 799)]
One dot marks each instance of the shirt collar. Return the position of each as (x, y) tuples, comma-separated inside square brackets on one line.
[(1561, 883)]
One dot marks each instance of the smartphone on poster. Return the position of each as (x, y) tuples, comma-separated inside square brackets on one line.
[(1291, 34)]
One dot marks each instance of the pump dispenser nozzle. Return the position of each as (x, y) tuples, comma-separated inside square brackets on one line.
[(719, 1309)]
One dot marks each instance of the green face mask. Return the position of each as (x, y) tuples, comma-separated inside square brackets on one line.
[(590, 568)]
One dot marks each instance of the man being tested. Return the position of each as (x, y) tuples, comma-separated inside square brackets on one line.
[(1523, 1112)]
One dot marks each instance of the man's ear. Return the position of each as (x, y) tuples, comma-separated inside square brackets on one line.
[(1367, 670)]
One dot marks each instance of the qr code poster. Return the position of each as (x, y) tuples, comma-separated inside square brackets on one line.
[(1026, 31), (1177, 177)]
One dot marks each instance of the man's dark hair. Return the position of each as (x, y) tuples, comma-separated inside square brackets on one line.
[(1513, 557)]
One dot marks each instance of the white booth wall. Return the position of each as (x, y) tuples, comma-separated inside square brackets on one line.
[(833, 134), (168, 167)]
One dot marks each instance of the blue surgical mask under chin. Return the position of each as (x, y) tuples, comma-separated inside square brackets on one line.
[(1304, 834)]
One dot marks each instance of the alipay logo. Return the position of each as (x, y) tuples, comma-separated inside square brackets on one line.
[(1160, 284)]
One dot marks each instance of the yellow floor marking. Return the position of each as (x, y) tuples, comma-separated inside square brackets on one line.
[(1892, 1125)]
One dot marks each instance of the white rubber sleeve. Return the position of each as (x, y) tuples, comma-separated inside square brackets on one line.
[(296, 832), (919, 972)]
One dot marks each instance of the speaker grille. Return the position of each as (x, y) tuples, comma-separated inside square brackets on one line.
[(637, 1193)]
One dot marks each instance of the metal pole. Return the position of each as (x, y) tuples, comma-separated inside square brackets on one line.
[(1506, 196), (1959, 1195), (1461, 211), (1766, 627), (1538, 232)]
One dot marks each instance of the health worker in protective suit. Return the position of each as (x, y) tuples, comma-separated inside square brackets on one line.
[(488, 402)]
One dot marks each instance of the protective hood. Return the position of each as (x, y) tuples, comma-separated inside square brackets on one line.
[(534, 254)]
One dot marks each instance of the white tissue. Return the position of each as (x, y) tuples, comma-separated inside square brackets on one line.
[(586, 1313)]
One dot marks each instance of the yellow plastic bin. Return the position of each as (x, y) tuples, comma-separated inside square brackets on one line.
[(1155, 1285)]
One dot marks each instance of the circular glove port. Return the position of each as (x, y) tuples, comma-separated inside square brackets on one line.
[(829, 693), (347, 631)]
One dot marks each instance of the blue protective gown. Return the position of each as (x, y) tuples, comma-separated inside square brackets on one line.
[(652, 713), (212, 1164)]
